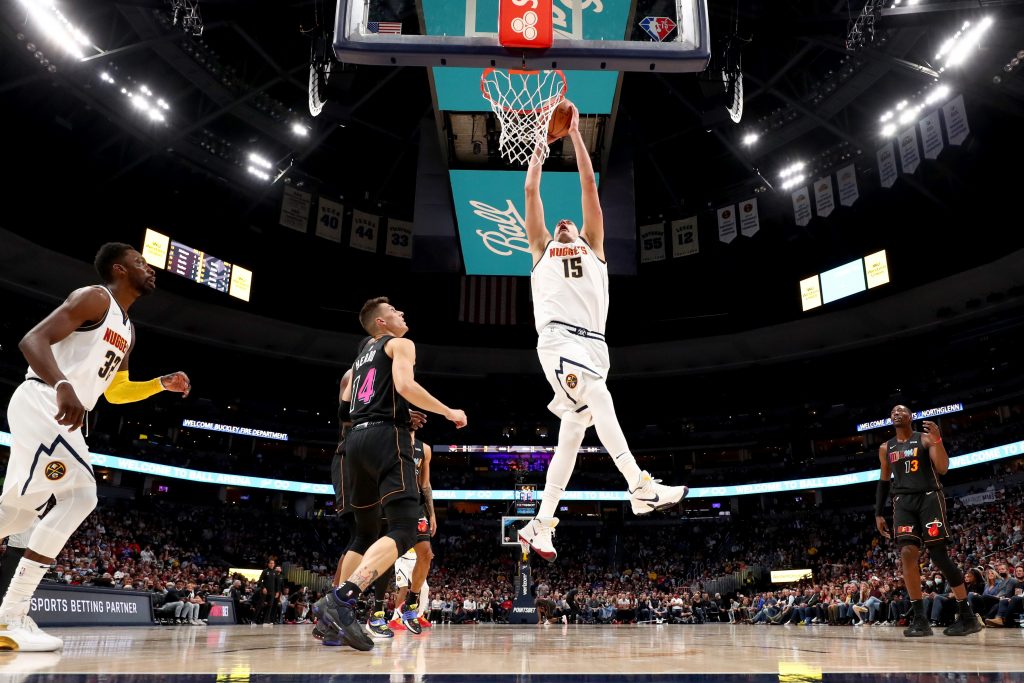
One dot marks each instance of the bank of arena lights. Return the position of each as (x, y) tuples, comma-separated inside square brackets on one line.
[(262, 175), (750, 138), (962, 44), (140, 97), (299, 130), (57, 27), (906, 112), (792, 175), (259, 166)]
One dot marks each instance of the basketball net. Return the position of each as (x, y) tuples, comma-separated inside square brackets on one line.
[(523, 101)]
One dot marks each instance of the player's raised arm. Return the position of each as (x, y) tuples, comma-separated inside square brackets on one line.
[(936, 451), (593, 217), (536, 231)]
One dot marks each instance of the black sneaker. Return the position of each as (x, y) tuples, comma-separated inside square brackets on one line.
[(342, 617), (918, 628), (963, 626), (410, 620)]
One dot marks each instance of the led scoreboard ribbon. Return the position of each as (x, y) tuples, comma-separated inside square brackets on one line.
[(1009, 450), (161, 251)]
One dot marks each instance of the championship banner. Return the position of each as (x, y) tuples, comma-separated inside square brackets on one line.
[(364, 231), (399, 240), (684, 237), (295, 206), (727, 224), (847, 180), (652, 243), (328, 220), (910, 158), (749, 222), (60, 605), (931, 135), (955, 115), (887, 166), (823, 197), (801, 207)]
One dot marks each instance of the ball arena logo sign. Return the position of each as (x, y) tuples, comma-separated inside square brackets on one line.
[(490, 207)]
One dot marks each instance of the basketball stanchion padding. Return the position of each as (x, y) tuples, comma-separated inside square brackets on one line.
[(525, 24)]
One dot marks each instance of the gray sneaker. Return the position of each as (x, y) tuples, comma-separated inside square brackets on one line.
[(342, 616)]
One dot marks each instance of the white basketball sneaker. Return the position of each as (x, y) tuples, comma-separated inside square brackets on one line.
[(650, 495), (22, 635), (537, 534)]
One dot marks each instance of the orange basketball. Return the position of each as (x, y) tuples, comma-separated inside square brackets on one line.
[(558, 126)]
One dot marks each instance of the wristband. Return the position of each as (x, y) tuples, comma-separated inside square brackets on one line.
[(61, 381)]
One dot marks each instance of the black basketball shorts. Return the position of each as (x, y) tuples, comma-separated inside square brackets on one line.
[(919, 518), (423, 527), (337, 480), (377, 467)]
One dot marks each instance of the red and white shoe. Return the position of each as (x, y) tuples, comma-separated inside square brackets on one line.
[(537, 534), (397, 625), (424, 622)]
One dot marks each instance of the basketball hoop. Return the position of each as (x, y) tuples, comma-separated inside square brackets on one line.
[(523, 101)]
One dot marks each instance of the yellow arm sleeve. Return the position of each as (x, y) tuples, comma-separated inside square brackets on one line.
[(121, 390)]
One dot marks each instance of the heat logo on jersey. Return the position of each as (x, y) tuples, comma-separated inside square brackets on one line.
[(896, 456), (561, 252), (115, 340), (55, 471), (933, 528), (905, 529), (423, 526)]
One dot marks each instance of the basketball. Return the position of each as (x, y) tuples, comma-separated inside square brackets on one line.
[(558, 127)]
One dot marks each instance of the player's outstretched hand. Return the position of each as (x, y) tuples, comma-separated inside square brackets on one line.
[(416, 419), (932, 430), (70, 411), (883, 527), (458, 417), (177, 381)]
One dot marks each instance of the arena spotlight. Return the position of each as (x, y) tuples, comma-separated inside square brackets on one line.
[(300, 130), (57, 27), (937, 94), (888, 130), (259, 174), (106, 78), (259, 161), (791, 169), (909, 114), (750, 138), (958, 47), (794, 181), (885, 117)]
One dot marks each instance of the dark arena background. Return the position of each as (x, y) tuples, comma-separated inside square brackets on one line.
[(811, 217)]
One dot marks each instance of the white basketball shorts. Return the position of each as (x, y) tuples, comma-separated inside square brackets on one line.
[(46, 458), (569, 361)]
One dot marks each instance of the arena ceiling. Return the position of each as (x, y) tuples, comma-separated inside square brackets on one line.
[(84, 165)]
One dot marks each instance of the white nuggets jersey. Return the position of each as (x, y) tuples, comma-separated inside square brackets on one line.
[(90, 356), (570, 285)]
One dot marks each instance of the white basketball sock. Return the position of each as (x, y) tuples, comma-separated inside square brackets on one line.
[(421, 607), (563, 462), (610, 433), (26, 579)]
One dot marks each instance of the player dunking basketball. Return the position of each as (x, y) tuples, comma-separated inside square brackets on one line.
[(911, 463), (75, 354), (378, 467), (570, 304)]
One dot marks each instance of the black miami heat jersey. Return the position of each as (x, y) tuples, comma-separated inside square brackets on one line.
[(374, 397), (417, 456), (911, 466)]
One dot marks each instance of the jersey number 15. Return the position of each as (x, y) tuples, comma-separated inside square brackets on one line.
[(573, 266)]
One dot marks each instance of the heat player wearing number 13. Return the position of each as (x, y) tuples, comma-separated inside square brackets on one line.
[(570, 305), (914, 460), (75, 354)]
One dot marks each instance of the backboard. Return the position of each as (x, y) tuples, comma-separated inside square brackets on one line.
[(600, 35)]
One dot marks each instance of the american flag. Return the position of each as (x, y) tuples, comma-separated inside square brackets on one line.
[(488, 300), (384, 26)]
